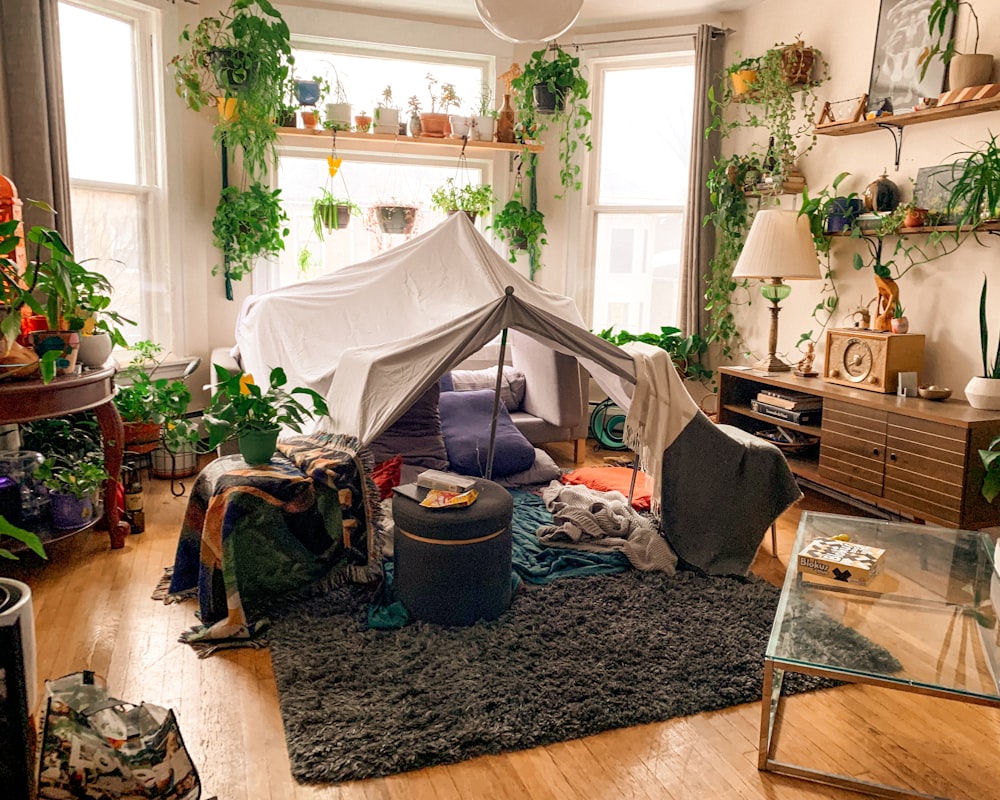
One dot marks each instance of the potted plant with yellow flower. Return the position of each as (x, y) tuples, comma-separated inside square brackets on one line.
[(241, 410)]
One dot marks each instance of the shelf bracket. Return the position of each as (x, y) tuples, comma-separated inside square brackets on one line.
[(897, 136)]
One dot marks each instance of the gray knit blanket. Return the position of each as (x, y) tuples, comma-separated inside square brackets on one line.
[(599, 522)]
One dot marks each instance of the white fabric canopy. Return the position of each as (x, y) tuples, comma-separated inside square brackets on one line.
[(372, 337)]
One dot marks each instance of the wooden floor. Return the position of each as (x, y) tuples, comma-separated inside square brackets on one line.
[(93, 611)]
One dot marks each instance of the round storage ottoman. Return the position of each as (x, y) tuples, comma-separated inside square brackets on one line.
[(452, 565)]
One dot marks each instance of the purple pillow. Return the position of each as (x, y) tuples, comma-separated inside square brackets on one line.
[(465, 422)]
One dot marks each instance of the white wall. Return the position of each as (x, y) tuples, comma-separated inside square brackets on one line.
[(941, 298)]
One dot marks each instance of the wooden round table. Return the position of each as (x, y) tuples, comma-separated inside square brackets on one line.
[(25, 401)]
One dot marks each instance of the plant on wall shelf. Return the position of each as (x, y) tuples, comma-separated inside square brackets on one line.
[(974, 186), (552, 87), (940, 14), (248, 225)]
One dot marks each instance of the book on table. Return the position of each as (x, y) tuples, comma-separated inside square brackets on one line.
[(786, 414), (790, 399)]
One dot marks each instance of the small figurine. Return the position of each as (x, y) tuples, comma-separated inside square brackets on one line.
[(804, 369)]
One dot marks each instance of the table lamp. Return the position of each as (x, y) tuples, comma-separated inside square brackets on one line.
[(779, 247)]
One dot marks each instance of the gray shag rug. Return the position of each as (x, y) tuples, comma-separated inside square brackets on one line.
[(576, 657)]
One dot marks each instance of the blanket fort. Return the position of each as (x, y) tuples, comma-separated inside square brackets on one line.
[(253, 534)]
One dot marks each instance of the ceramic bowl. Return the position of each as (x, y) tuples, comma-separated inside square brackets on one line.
[(934, 392)]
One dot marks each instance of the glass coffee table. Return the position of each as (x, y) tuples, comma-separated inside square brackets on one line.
[(932, 607)]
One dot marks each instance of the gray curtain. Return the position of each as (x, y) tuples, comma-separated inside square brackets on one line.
[(33, 123), (698, 245)]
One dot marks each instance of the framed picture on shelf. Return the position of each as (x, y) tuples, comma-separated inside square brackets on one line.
[(903, 34)]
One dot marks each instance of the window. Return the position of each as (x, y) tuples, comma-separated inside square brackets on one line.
[(643, 112), (369, 178), (114, 155)]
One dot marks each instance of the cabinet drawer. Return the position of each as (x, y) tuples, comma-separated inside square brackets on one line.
[(925, 466), (866, 425), (852, 450), (850, 469)]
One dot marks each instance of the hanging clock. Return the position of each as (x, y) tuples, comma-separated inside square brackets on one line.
[(871, 360)]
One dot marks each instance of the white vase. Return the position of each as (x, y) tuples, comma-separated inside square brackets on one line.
[(459, 125), (983, 393), (485, 127), (387, 120), (973, 69), (20, 689), (95, 348), (338, 115)]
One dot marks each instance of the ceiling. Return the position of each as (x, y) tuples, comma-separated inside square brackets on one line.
[(595, 12)]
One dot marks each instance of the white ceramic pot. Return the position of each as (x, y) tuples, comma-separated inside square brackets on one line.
[(485, 127), (95, 349), (387, 121), (459, 125), (974, 69), (338, 115), (983, 393)]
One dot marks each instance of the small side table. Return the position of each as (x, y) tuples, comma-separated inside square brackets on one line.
[(25, 401)]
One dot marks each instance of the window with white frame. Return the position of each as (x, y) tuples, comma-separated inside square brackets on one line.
[(637, 194), (364, 177), (114, 143)]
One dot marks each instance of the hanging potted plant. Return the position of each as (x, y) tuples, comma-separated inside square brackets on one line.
[(395, 217), (248, 225), (473, 200), (330, 213), (524, 230), (554, 88), (241, 410)]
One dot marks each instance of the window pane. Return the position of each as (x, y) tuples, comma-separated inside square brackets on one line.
[(107, 238), (644, 156), (637, 271), (365, 77), (98, 71), (365, 183)]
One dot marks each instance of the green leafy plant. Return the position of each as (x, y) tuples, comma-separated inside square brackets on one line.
[(441, 99), (244, 52), (942, 45), (80, 478), (748, 63), (685, 351), (524, 229), (248, 225), (484, 107), (143, 397), (974, 195), (239, 405), (72, 437), (473, 199), (327, 211), (27, 538), (991, 460), (898, 312), (559, 72), (990, 370)]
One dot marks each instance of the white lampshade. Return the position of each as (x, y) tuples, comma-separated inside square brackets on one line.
[(779, 245), (527, 21)]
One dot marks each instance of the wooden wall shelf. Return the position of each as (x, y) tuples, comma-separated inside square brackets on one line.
[(387, 143), (950, 111)]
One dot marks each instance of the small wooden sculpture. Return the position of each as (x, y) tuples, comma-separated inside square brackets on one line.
[(888, 297), (804, 369)]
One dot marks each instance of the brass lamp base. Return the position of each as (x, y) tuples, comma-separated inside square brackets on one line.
[(772, 363)]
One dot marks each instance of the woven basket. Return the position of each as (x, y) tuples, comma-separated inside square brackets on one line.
[(797, 63)]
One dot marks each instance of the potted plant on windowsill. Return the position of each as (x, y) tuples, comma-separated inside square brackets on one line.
[(472, 199), (434, 123), (241, 410), (524, 230), (554, 88)]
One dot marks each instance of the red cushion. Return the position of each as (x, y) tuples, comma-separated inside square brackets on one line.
[(388, 474), (613, 479)]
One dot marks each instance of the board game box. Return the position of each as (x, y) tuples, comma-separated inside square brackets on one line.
[(847, 562)]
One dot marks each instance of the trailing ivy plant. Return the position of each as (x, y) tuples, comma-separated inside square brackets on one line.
[(560, 72), (248, 225), (524, 229)]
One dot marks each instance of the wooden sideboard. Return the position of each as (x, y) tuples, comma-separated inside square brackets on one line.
[(24, 401), (906, 455)]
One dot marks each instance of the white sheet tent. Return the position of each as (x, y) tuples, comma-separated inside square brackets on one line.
[(372, 337)]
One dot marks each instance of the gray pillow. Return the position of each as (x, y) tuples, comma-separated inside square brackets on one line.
[(416, 435), (543, 471), (511, 387)]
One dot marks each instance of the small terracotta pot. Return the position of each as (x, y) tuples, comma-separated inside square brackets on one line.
[(310, 119), (915, 218), (362, 123)]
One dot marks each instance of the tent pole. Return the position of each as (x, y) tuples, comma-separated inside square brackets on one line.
[(496, 405), (635, 472)]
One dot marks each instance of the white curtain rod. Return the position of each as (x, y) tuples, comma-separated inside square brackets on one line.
[(658, 37)]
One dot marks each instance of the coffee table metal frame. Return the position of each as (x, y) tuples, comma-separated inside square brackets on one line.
[(776, 667)]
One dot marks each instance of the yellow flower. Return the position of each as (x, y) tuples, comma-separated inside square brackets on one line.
[(246, 380), (334, 164)]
